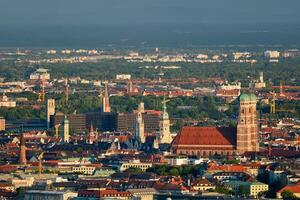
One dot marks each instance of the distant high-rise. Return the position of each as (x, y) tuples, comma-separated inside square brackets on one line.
[(23, 159), (50, 110), (66, 133), (106, 105), (164, 126)]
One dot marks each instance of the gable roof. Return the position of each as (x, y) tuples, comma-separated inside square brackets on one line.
[(206, 136)]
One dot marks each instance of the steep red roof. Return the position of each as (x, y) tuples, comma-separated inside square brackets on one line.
[(206, 136)]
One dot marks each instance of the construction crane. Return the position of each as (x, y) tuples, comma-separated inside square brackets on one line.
[(56, 129), (100, 96), (273, 109), (40, 167), (42, 92), (273, 103), (67, 90)]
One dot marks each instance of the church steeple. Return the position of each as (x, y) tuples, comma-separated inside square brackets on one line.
[(66, 130), (91, 135), (247, 133), (23, 159), (139, 124), (164, 125), (106, 105)]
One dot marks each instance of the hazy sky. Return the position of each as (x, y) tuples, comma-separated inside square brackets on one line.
[(148, 11)]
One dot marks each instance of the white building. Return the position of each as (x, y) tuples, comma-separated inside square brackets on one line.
[(135, 164), (123, 76), (202, 56), (271, 54), (51, 51), (6, 102), (40, 74), (233, 86)]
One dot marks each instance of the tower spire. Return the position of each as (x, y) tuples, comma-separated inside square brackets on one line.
[(164, 125), (23, 159), (247, 134), (106, 105)]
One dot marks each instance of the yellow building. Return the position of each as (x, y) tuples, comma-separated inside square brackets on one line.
[(2, 124), (256, 187), (203, 185), (87, 170)]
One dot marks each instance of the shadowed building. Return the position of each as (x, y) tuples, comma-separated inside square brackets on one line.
[(80, 123), (126, 121)]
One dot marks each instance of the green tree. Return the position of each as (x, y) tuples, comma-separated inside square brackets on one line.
[(288, 195)]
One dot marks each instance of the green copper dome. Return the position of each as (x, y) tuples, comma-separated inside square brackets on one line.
[(252, 97), (244, 97), (247, 97)]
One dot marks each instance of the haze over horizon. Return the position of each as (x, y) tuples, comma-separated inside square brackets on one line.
[(15, 12), (156, 22)]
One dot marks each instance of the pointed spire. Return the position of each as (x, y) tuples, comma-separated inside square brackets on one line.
[(91, 128), (106, 106)]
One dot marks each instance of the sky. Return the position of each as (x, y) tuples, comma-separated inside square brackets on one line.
[(25, 12)]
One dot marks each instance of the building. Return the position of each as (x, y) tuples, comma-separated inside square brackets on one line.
[(247, 128), (50, 110), (2, 124), (164, 127), (202, 184), (291, 53), (208, 141), (80, 123), (139, 129), (92, 136), (255, 188), (66, 131), (105, 101), (23, 159), (86, 170), (77, 122), (271, 54), (123, 76), (135, 164), (295, 189), (40, 74), (106, 122), (142, 193), (6, 102), (49, 195), (107, 194), (258, 84)]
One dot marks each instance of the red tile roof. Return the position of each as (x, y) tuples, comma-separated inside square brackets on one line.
[(291, 188), (228, 168), (206, 136)]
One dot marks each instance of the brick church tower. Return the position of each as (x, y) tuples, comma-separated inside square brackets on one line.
[(247, 133), (22, 159)]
